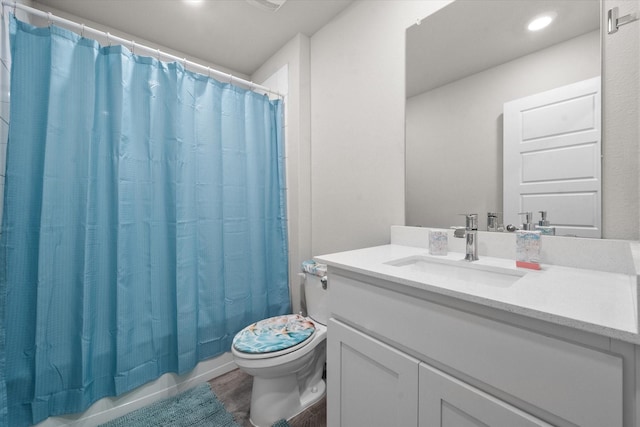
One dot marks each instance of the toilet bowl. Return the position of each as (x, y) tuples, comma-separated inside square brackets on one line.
[(286, 357)]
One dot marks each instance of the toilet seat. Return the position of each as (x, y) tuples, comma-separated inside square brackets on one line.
[(274, 337)]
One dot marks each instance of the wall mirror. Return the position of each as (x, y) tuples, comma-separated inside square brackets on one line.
[(464, 62)]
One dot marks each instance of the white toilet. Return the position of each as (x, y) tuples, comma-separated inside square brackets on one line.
[(286, 356)]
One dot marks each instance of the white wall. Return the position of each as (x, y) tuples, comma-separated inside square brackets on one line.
[(357, 123), (621, 130), (295, 57), (461, 123)]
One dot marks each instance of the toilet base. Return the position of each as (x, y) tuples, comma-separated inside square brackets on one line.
[(283, 400)]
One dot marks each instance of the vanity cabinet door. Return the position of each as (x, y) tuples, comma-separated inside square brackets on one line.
[(369, 383), (447, 402)]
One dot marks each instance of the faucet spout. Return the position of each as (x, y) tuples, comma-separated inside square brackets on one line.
[(471, 237)]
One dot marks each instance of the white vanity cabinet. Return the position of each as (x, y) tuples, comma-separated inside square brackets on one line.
[(405, 357), (374, 384), (377, 383), (445, 401)]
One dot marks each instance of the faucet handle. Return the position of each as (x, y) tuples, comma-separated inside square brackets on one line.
[(494, 221), (471, 221)]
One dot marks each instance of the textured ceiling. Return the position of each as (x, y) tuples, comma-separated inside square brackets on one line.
[(230, 33)]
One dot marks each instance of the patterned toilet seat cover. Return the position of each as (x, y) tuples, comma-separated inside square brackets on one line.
[(274, 334)]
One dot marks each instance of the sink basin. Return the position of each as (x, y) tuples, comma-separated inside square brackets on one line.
[(443, 269)]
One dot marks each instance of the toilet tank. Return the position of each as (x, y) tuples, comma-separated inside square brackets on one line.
[(316, 298)]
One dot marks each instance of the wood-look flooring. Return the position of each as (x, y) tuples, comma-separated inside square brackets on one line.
[(234, 391)]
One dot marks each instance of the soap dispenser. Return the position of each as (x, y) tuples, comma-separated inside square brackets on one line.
[(527, 224), (544, 227), (528, 244)]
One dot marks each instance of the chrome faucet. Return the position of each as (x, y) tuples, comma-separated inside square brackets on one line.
[(471, 237)]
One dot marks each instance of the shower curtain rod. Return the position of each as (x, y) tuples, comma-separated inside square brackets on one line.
[(210, 72)]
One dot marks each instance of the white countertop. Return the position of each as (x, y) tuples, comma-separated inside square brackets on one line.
[(601, 302)]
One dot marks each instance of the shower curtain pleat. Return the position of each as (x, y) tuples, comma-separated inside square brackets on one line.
[(143, 226)]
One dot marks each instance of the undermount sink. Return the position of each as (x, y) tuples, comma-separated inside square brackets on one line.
[(458, 270)]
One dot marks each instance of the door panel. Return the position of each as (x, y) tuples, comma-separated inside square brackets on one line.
[(448, 402), (551, 118), (552, 158), (369, 383)]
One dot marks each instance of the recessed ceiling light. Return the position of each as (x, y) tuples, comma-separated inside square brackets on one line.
[(270, 5), (541, 21), (193, 2)]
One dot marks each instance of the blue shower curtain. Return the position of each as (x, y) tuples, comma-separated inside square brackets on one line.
[(144, 221)]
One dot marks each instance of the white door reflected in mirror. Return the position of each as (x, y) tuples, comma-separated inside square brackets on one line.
[(552, 146)]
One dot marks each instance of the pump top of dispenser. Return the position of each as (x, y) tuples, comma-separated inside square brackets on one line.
[(528, 217), (543, 219), (544, 226)]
